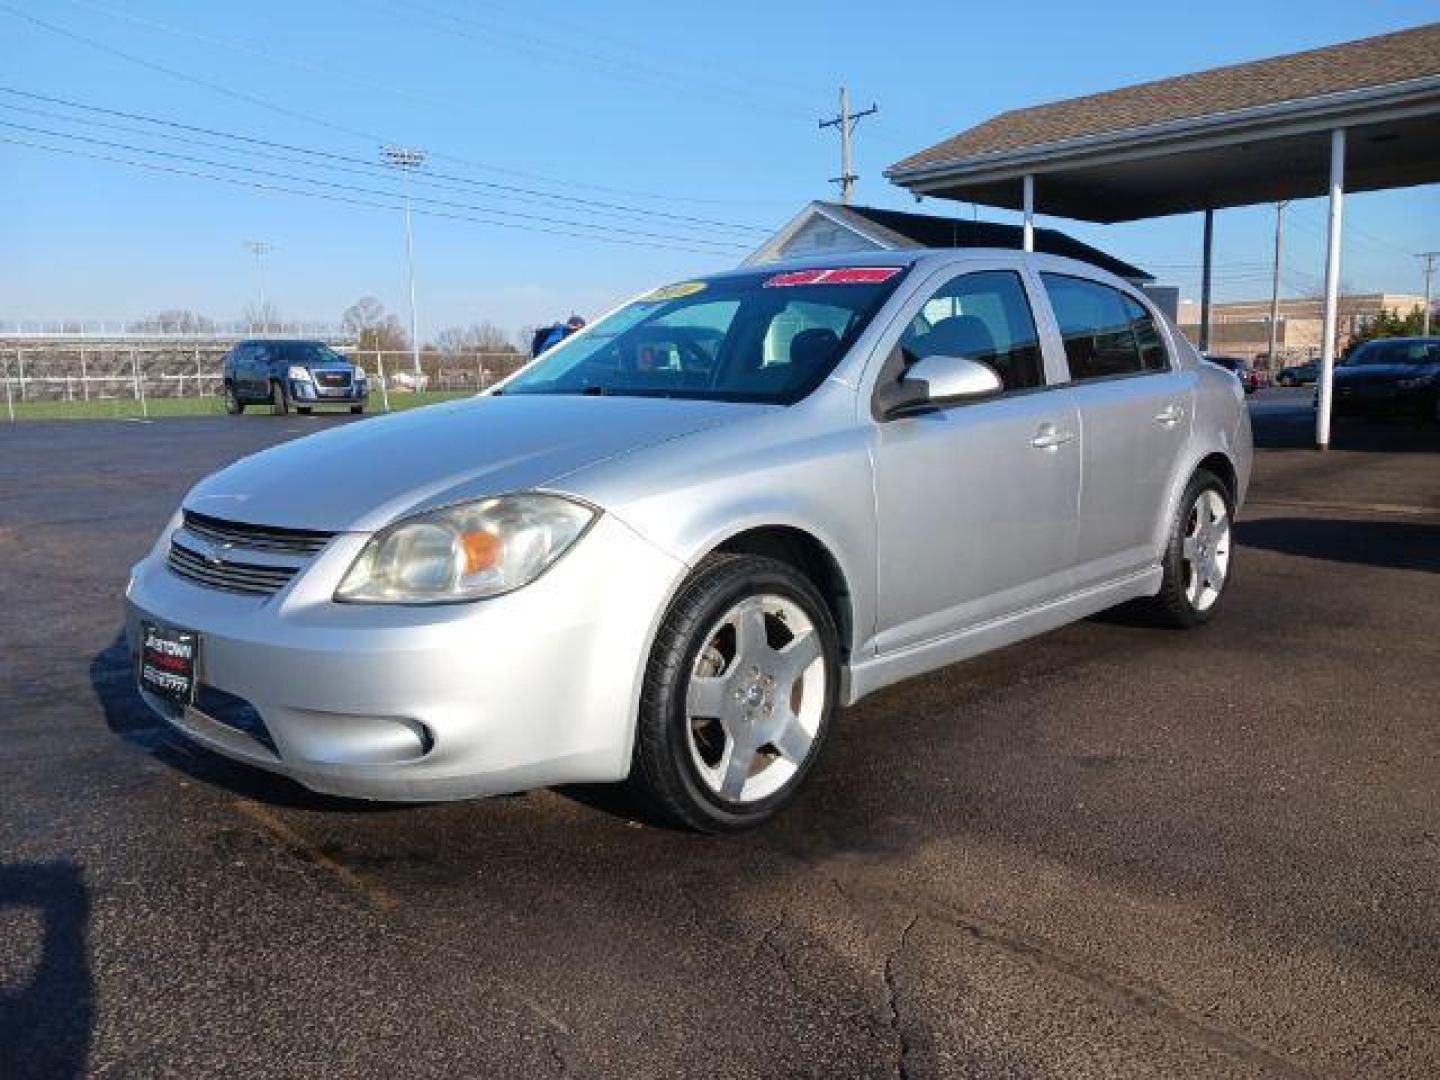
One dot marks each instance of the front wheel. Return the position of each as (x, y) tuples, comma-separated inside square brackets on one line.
[(739, 693), (356, 410), (1197, 559), (279, 399)]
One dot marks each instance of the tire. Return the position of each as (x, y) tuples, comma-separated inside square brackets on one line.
[(356, 410), (304, 410), (279, 398), (1197, 565), (1285, 380), (233, 405), (735, 767)]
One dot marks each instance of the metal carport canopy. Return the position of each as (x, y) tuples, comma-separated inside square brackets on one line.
[(1363, 115)]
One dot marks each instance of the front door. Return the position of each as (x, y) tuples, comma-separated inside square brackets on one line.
[(976, 504)]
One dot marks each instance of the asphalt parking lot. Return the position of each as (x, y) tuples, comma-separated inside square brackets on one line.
[(1111, 851)]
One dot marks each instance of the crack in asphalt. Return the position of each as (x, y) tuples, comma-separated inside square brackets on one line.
[(892, 1002)]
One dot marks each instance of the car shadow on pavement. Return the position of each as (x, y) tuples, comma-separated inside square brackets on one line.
[(1398, 545), (126, 714), (46, 1022)]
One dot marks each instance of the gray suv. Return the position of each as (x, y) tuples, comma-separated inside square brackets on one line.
[(289, 375)]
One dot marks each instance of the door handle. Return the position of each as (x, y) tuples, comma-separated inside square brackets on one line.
[(1049, 437), (1170, 415)]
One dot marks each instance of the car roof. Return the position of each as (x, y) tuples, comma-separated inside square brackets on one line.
[(935, 256)]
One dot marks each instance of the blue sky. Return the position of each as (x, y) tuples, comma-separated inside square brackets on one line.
[(688, 109)]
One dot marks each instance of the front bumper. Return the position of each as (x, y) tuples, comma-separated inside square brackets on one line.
[(537, 687), (305, 392)]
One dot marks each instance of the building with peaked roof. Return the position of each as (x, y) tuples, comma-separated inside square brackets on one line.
[(824, 228), (1362, 115)]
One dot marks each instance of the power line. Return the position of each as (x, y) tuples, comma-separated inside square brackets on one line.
[(309, 118), (369, 167), (210, 162), (367, 203)]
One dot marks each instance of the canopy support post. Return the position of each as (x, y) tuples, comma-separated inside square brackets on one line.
[(1332, 289), (1029, 195), (1207, 266)]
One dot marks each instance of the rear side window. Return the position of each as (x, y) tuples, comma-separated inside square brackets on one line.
[(1106, 333), (983, 316)]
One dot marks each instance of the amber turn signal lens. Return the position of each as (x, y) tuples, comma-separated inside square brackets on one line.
[(482, 549)]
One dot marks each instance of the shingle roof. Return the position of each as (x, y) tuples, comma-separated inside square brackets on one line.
[(1355, 65)]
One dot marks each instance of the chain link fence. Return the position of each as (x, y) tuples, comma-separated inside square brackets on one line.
[(70, 379)]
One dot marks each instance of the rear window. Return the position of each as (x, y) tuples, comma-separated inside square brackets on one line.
[(767, 336), (1106, 333)]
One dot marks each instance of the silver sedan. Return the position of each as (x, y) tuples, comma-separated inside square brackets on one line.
[(672, 547)]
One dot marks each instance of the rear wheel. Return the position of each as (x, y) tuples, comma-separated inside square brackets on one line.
[(739, 694), (356, 410), (279, 399), (1197, 560), (233, 405)]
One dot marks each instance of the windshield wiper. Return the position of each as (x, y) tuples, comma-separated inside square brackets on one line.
[(594, 390)]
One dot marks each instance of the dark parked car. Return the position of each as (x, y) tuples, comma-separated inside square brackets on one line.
[(289, 375), (1299, 375), (1391, 375), (1238, 367)]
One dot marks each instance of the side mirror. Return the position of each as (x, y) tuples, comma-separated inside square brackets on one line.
[(943, 380)]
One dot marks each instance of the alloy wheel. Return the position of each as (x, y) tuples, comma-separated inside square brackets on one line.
[(755, 699), (1205, 550)]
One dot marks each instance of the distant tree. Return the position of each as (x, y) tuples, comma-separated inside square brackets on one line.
[(372, 328), (1390, 324), (477, 337), (365, 314), (262, 318), (173, 321)]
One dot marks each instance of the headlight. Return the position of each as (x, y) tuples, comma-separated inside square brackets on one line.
[(465, 552), (1416, 383), (299, 374), (359, 373)]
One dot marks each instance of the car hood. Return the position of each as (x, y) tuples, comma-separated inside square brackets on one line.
[(364, 475)]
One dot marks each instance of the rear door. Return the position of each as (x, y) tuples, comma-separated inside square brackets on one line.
[(1135, 408)]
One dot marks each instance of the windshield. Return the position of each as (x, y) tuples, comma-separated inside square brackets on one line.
[(770, 337), (1395, 352), (310, 352)]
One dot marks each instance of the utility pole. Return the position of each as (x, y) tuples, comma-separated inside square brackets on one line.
[(259, 248), (846, 122), (1275, 282), (1429, 257), (407, 160)]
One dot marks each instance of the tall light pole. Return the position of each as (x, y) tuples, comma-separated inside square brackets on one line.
[(407, 160), (1275, 284), (259, 248)]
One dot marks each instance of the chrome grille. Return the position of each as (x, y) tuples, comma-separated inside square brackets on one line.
[(255, 579), (256, 537)]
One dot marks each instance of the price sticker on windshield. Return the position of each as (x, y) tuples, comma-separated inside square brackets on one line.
[(840, 275)]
